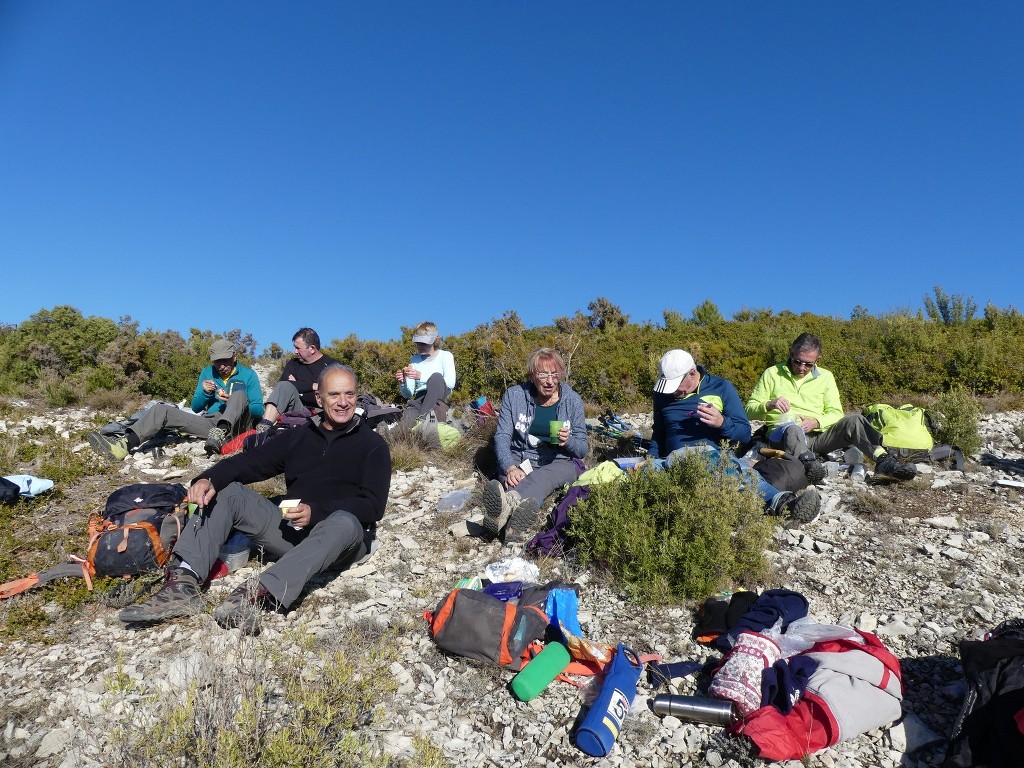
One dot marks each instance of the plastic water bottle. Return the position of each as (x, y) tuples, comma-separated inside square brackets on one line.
[(540, 671), (858, 473), (832, 469), (455, 500)]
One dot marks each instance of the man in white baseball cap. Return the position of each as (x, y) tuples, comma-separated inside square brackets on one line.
[(674, 366), (694, 410)]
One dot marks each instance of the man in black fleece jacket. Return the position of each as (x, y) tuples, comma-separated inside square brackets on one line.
[(339, 470)]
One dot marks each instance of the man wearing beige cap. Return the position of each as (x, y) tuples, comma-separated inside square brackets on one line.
[(227, 397), (694, 410)]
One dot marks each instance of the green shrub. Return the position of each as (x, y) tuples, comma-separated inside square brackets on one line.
[(682, 533), (58, 392), (955, 420)]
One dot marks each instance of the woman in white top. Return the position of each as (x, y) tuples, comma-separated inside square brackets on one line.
[(429, 378)]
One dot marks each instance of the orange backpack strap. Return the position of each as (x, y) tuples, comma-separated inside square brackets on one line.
[(87, 570), (16, 587), (590, 668), (77, 568)]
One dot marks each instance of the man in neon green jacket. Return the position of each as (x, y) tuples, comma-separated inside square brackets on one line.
[(799, 401)]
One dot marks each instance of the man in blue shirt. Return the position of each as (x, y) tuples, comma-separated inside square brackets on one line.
[(226, 399), (694, 410)]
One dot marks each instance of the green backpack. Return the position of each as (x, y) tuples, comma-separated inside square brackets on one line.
[(437, 434), (903, 427)]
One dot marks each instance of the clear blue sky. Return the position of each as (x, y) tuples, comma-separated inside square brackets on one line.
[(360, 166)]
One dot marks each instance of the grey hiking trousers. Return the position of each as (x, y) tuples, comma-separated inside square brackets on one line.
[(162, 416), (426, 401), (545, 480), (300, 555), (853, 429), (285, 397)]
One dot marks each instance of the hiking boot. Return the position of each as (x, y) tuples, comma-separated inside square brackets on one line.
[(522, 521), (498, 508), (179, 596), (889, 466), (110, 448), (813, 469), (263, 426), (215, 439), (243, 606), (799, 508)]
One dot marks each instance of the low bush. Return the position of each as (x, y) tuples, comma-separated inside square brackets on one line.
[(58, 392), (680, 533), (277, 706), (955, 420)]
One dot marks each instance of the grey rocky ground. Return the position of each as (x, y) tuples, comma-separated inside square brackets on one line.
[(923, 564)]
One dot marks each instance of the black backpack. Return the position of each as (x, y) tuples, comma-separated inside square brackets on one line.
[(133, 535), (783, 471), (988, 730), (137, 529), (9, 492)]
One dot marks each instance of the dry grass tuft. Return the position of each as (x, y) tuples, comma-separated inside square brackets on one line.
[(112, 401), (407, 451)]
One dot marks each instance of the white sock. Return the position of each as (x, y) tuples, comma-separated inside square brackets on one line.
[(184, 564)]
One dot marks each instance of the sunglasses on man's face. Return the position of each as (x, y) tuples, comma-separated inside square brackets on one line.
[(802, 363)]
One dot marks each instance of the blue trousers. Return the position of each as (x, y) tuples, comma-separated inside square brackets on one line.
[(738, 466)]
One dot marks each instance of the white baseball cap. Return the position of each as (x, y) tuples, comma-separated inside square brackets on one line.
[(674, 365), (424, 338)]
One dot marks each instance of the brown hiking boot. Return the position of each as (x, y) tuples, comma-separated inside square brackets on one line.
[(522, 521), (179, 596), (498, 508), (242, 608)]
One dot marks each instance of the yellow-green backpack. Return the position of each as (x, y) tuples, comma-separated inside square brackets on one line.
[(903, 427)]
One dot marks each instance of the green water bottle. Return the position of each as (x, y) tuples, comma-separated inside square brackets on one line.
[(540, 671)]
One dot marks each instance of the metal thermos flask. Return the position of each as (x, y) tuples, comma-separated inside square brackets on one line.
[(697, 709)]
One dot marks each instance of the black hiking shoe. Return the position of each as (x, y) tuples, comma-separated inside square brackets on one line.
[(179, 596), (888, 466), (813, 468), (498, 508), (522, 522), (215, 440), (800, 508), (243, 606)]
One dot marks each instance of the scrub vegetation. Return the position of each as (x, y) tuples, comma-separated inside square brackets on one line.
[(905, 356)]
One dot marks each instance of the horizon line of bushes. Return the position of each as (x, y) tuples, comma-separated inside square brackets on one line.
[(908, 356)]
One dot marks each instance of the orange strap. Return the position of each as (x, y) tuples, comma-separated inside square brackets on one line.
[(16, 587)]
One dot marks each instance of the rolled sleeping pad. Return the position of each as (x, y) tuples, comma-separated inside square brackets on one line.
[(599, 729), (540, 671)]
